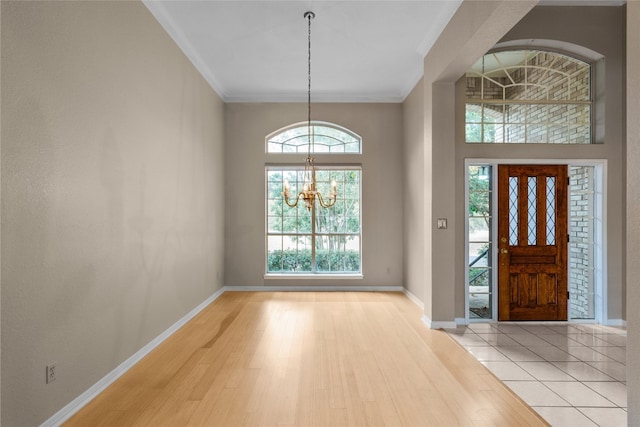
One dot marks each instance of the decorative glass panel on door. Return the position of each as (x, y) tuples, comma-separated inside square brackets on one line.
[(551, 210), (513, 210), (532, 200)]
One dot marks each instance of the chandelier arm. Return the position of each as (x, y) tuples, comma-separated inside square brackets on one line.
[(332, 200), (293, 205)]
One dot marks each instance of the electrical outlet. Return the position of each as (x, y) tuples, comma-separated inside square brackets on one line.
[(51, 373)]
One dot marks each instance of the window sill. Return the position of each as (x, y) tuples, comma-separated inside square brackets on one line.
[(274, 276)]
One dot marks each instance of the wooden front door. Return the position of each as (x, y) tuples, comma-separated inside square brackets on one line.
[(532, 242)]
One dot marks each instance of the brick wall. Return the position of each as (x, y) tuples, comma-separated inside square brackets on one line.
[(581, 285), (547, 76)]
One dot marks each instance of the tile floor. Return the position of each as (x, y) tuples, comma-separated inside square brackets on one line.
[(571, 374)]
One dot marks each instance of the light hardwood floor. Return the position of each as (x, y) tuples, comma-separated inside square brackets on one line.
[(308, 359)]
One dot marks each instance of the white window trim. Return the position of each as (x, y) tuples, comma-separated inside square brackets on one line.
[(313, 123), (317, 276), (307, 275), (581, 54), (600, 233)]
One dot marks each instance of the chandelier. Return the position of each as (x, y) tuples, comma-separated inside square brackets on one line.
[(310, 192)]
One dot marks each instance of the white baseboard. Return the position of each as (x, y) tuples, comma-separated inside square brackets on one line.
[(79, 402), (438, 324), (616, 322), (427, 321), (461, 321), (295, 288), (413, 298), (443, 325)]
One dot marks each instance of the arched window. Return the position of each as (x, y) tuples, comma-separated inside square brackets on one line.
[(325, 138), (529, 96), (317, 241)]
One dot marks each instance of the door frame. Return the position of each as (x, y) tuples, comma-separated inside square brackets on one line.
[(600, 232)]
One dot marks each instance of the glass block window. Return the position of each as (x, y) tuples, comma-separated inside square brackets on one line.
[(529, 96), (322, 137)]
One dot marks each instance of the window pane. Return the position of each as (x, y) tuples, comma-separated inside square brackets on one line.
[(578, 114), (474, 83), (516, 113), (580, 88), (352, 147), (474, 113), (558, 134), (479, 305), (473, 132), (479, 178), (478, 254), (274, 253), (559, 89), (338, 254), (537, 114), (289, 261), (479, 229), (537, 134), (274, 223), (493, 132), (514, 133), (479, 276), (579, 135), (492, 87)]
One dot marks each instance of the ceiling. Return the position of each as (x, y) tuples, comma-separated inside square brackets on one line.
[(362, 50), (256, 51)]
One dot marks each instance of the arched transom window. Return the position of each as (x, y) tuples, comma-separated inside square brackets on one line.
[(528, 96), (325, 138)]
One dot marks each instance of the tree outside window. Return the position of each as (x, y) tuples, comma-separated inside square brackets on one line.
[(320, 240)]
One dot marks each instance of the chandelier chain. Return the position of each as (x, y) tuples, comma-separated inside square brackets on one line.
[(310, 191), (309, 16)]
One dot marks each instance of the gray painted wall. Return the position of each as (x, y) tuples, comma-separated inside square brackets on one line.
[(473, 30), (112, 181), (379, 125), (413, 175)]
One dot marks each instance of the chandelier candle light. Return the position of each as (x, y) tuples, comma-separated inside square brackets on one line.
[(310, 191)]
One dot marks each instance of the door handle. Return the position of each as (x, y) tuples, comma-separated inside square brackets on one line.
[(504, 251)]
